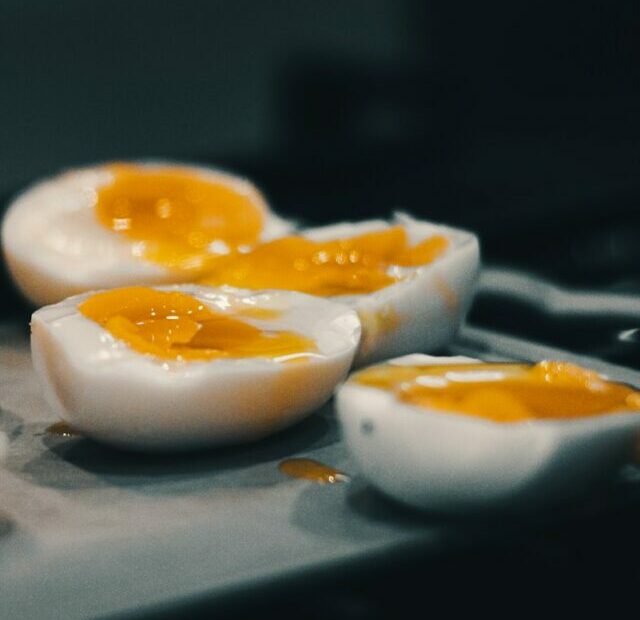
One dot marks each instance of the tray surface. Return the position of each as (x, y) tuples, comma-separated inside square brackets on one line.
[(86, 530)]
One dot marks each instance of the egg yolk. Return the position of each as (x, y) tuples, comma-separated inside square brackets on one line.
[(325, 268), (504, 392), (176, 214), (176, 326)]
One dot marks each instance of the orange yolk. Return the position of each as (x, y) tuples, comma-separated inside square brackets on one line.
[(176, 214), (308, 469), (176, 326), (325, 268), (504, 392)]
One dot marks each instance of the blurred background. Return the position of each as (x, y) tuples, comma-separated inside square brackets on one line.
[(518, 120)]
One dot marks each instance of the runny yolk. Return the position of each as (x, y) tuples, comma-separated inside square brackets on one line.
[(325, 268), (504, 392), (308, 469), (176, 326), (176, 214)]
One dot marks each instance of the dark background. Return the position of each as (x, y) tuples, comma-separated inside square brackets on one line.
[(519, 120)]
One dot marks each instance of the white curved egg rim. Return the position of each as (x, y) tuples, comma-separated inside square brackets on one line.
[(518, 455), (595, 421), (426, 414), (417, 231), (74, 190), (342, 321), (425, 317), (137, 401)]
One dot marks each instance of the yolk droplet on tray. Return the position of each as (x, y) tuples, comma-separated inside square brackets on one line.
[(177, 214), (308, 469), (177, 326), (337, 267), (504, 392)]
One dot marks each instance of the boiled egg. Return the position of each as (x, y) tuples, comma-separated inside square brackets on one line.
[(121, 224), (410, 281), (457, 435), (186, 366)]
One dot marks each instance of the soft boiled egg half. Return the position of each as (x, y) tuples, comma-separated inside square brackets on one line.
[(187, 366), (124, 224), (455, 434), (410, 281), (121, 224)]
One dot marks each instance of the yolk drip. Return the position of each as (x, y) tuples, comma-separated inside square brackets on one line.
[(337, 267), (308, 469), (176, 326), (504, 392), (176, 214)]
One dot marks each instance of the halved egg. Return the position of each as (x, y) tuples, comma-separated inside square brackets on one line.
[(455, 434), (410, 281), (120, 224), (187, 366)]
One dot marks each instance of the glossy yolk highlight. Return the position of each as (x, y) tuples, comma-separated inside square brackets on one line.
[(176, 214), (504, 392), (176, 326), (325, 268)]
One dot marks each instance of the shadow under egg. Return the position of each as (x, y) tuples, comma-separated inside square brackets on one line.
[(75, 461), (352, 512), (7, 526), (505, 521)]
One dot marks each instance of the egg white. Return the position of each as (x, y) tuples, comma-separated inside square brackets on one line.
[(422, 311), (455, 463), (114, 394), (55, 246)]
